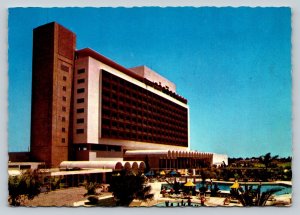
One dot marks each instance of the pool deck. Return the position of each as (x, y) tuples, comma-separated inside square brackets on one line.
[(284, 182), (209, 201), (285, 199)]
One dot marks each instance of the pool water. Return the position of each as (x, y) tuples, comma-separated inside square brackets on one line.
[(285, 189)]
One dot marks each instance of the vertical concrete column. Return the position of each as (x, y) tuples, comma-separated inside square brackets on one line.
[(167, 163), (104, 177)]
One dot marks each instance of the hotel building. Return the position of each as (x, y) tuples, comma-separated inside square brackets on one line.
[(86, 107)]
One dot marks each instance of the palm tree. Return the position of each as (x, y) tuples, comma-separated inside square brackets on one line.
[(204, 175), (253, 197), (267, 159), (127, 186), (24, 186)]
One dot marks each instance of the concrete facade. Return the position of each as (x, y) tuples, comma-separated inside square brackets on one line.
[(52, 75), (149, 74), (97, 125), (219, 159), (86, 107)]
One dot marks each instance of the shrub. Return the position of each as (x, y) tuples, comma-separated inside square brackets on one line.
[(55, 183), (253, 197), (24, 186), (91, 188), (93, 199), (127, 186)]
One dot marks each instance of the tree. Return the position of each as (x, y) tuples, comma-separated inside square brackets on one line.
[(267, 159), (24, 186), (127, 186), (176, 186), (91, 188), (147, 165), (253, 197), (204, 175)]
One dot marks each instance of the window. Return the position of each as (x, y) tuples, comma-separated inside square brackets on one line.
[(64, 78), (81, 120), (63, 140), (64, 88), (63, 129), (63, 119), (81, 100), (63, 108), (79, 131), (80, 90), (80, 71), (80, 110), (64, 68), (79, 81), (64, 98)]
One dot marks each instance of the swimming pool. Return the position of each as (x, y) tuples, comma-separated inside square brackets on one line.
[(285, 189)]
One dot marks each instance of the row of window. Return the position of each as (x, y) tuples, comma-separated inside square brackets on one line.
[(80, 110), (80, 100), (80, 71), (141, 105), (80, 80), (80, 90), (79, 131), (64, 68), (129, 114), (121, 111)]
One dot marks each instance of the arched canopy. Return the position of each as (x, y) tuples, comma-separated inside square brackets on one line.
[(127, 166), (114, 165), (118, 166), (135, 167), (142, 166)]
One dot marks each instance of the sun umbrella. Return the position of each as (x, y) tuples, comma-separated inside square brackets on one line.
[(150, 173), (173, 173), (235, 185), (162, 173), (183, 172), (189, 184)]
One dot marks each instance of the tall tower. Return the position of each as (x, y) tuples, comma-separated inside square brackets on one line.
[(52, 78)]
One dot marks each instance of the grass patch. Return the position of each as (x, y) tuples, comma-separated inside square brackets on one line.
[(286, 165)]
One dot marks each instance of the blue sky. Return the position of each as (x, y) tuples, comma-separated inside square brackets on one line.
[(232, 64)]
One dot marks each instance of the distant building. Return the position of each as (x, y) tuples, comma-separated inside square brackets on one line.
[(86, 107), (220, 159)]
